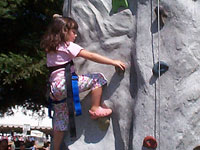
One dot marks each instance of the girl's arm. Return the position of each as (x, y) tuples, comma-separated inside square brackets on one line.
[(101, 59)]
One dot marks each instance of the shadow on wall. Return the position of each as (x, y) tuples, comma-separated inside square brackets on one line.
[(145, 148), (110, 89), (86, 127), (114, 84), (154, 26), (136, 82), (133, 91)]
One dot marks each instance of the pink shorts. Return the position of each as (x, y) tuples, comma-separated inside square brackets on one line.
[(85, 82)]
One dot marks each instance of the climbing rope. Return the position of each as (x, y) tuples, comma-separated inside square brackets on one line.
[(69, 13), (159, 68), (159, 91)]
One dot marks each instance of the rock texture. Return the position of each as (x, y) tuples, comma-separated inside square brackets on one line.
[(168, 107)]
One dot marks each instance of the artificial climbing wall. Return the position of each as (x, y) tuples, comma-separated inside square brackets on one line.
[(165, 107)]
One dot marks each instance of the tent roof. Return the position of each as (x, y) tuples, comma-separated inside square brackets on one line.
[(19, 119)]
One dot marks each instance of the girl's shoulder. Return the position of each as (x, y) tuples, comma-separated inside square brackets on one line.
[(66, 45), (62, 47), (73, 46), (69, 48)]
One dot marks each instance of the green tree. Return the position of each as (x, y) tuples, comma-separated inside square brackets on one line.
[(23, 72)]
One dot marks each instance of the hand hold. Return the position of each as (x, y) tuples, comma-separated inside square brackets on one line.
[(197, 147), (119, 71), (103, 123), (162, 13), (150, 142), (116, 4), (163, 68)]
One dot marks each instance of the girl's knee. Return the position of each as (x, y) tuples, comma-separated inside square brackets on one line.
[(100, 80), (101, 76), (91, 81)]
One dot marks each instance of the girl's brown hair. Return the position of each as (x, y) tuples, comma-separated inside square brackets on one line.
[(57, 33)]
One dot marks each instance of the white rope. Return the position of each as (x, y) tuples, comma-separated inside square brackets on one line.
[(153, 54), (159, 91), (69, 13)]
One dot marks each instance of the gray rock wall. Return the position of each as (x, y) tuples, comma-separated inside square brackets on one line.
[(166, 107)]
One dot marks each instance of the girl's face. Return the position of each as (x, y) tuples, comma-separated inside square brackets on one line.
[(71, 35)]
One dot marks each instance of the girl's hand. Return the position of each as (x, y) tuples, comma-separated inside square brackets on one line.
[(119, 64)]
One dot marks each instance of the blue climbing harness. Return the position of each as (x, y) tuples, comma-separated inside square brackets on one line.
[(75, 90)]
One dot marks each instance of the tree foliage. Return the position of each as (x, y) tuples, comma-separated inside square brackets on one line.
[(23, 72)]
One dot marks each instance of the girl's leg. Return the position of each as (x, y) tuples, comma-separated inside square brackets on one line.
[(96, 98), (60, 124), (96, 110), (95, 83), (57, 139)]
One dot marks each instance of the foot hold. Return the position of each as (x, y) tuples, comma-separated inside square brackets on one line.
[(150, 142)]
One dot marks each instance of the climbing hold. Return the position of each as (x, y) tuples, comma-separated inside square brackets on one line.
[(163, 68), (103, 123), (150, 142), (197, 147), (116, 4), (119, 71), (69, 9), (162, 13)]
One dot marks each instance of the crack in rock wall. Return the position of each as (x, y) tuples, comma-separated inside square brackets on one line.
[(166, 107)]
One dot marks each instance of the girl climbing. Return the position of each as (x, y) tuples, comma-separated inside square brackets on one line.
[(58, 42)]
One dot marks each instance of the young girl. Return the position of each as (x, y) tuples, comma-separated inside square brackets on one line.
[(58, 44)]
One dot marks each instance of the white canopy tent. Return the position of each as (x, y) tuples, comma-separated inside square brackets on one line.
[(19, 119)]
